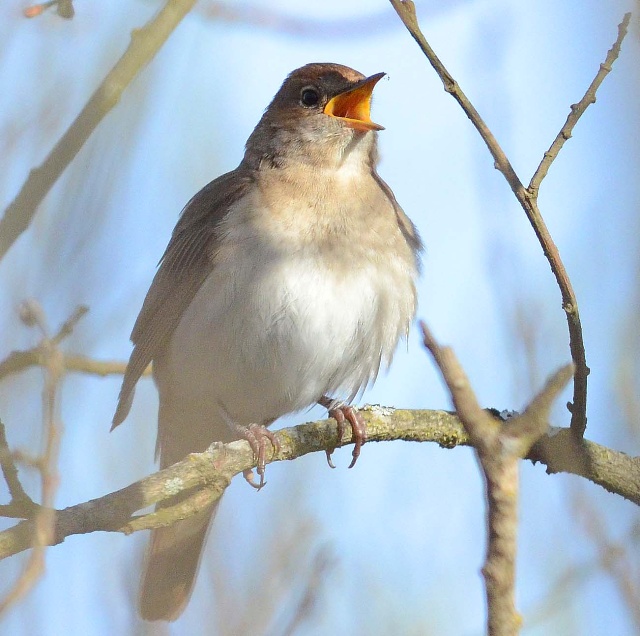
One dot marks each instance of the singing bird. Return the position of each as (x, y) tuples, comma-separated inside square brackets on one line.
[(287, 282)]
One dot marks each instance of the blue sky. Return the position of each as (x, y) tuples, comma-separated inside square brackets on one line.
[(406, 525)]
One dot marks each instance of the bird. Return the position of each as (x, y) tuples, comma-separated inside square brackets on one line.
[(287, 282)]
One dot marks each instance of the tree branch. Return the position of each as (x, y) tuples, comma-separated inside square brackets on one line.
[(615, 471), (527, 197), (18, 361), (499, 447), (145, 43), (31, 314), (43, 517), (577, 110)]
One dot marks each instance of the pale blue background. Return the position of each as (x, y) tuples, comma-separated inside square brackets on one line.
[(405, 527)]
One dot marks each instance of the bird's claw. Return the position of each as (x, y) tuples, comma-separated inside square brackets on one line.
[(257, 436), (342, 414)]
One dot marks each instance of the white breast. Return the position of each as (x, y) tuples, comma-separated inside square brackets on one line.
[(272, 330)]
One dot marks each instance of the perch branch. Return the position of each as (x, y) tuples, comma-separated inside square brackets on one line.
[(615, 471)]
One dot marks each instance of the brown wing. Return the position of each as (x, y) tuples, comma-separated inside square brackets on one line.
[(184, 266), (408, 229)]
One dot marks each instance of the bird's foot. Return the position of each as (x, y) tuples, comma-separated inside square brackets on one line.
[(257, 436), (342, 414)]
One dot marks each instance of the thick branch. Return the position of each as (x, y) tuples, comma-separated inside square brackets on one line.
[(114, 512), (145, 43)]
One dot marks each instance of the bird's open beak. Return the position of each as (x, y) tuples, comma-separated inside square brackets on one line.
[(353, 107)]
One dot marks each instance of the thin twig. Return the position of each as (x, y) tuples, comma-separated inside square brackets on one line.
[(578, 406), (577, 110), (528, 199), (18, 495), (145, 43), (44, 519)]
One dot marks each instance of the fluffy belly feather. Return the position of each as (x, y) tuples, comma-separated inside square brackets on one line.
[(268, 340)]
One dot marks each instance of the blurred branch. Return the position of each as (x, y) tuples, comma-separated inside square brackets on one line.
[(215, 468), (21, 503), (64, 8), (499, 447), (527, 197), (43, 524), (145, 43), (615, 558), (17, 361), (272, 20), (308, 602)]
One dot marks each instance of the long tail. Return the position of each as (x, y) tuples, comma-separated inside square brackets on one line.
[(174, 552), (172, 565)]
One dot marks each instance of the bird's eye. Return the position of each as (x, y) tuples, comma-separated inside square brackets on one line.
[(309, 97)]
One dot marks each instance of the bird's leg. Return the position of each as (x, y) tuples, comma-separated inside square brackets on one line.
[(341, 413), (257, 436)]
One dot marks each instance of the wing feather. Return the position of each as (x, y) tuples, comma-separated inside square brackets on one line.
[(185, 265)]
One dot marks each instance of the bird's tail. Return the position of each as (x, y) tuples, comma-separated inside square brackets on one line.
[(171, 566)]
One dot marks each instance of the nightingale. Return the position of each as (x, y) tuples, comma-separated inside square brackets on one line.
[(286, 282)]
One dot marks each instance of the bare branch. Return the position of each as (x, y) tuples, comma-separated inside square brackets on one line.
[(32, 315), (577, 110), (562, 452), (145, 43), (499, 446), (18, 361), (44, 517), (615, 471), (528, 197), (19, 498)]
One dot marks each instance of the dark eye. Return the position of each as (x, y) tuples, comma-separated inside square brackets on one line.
[(309, 97)]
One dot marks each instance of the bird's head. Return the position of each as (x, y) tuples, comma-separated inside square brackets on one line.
[(320, 112)]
